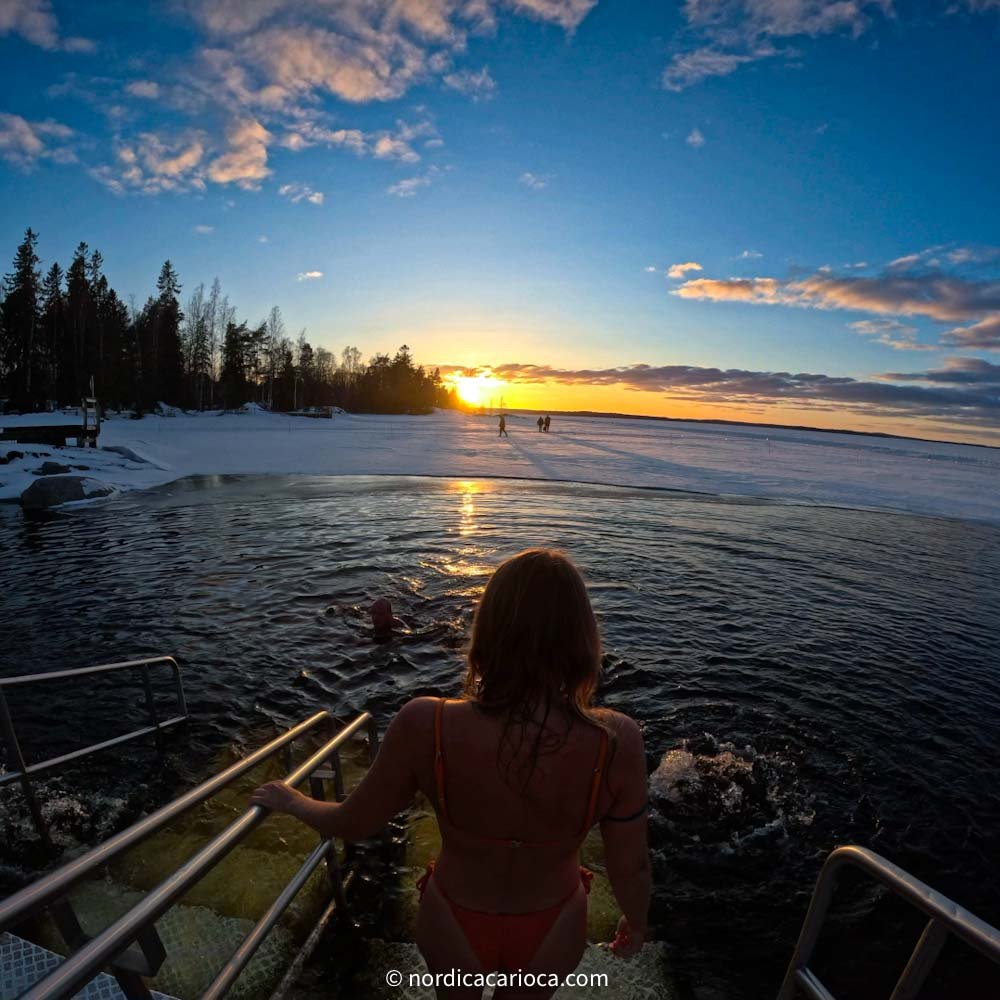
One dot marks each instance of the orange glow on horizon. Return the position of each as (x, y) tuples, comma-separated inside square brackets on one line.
[(556, 396)]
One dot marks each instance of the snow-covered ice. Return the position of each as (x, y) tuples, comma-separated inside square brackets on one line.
[(798, 466)]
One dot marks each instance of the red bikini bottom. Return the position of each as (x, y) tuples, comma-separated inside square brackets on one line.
[(504, 942)]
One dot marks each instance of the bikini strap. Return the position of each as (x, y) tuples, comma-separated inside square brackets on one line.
[(439, 759), (595, 783)]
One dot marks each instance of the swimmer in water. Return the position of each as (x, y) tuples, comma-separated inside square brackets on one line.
[(384, 622)]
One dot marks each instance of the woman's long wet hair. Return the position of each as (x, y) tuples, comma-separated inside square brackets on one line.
[(535, 645)]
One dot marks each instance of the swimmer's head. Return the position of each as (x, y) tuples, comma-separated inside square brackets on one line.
[(382, 617)]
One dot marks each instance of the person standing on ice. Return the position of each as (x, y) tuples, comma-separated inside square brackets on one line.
[(503, 427), (548, 420), (541, 423)]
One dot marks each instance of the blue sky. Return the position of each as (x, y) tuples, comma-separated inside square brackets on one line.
[(508, 183)]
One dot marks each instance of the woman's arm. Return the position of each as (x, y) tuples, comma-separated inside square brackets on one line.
[(387, 788), (626, 847)]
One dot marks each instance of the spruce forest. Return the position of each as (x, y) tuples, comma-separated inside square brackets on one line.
[(63, 331)]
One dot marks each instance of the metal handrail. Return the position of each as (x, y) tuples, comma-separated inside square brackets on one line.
[(81, 966), (22, 772), (35, 897), (248, 946), (946, 917)]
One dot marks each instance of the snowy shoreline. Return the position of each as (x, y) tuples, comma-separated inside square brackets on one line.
[(804, 467)]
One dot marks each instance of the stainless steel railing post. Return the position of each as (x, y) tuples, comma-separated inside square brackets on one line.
[(16, 759), (921, 961), (946, 917)]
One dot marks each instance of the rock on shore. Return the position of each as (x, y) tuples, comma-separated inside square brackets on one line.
[(51, 491)]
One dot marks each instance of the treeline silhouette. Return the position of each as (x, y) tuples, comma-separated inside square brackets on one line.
[(68, 331)]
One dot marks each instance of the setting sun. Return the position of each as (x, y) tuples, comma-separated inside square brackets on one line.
[(477, 390)]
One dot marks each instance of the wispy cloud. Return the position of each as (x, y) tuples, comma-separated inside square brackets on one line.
[(480, 86), (263, 239), (537, 182), (309, 275), (408, 187), (898, 292), (695, 138), (729, 34), (680, 270), (203, 230), (750, 255), (151, 163), (956, 371), (35, 22), (301, 192), (566, 13), (688, 68), (148, 89), (24, 142), (891, 333)]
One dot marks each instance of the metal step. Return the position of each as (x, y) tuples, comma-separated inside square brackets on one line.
[(22, 964)]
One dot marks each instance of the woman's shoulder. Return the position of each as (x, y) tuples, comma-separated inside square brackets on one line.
[(420, 711), (618, 723), (417, 709), (623, 729)]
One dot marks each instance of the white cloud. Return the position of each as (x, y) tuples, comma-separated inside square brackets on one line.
[(891, 333), (34, 21), (263, 239), (928, 293), (389, 147), (264, 54), (750, 255), (386, 144), (301, 192), (267, 66), (537, 182), (245, 164), (734, 33), (695, 138), (409, 187), (148, 89), (688, 68), (23, 143), (204, 230), (309, 275), (151, 163), (479, 86), (679, 270), (566, 13)]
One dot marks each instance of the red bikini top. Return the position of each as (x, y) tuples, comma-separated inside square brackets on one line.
[(595, 786)]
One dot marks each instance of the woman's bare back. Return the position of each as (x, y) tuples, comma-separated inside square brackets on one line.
[(508, 848)]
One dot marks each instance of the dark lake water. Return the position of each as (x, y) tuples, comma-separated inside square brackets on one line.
[(805, 677)]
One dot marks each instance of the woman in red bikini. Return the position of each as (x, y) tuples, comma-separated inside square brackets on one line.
[(518, 770)]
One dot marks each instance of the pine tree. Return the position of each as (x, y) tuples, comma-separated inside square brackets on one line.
[(117, 375), (169, 358), (23, 348), (233, 377), (53, 326), (94, 346), (73, 378)]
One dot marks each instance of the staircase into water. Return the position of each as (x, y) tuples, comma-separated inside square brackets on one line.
[(160, 912)]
